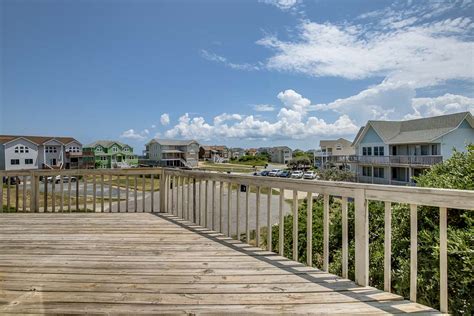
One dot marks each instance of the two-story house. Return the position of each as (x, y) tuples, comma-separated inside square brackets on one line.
[(391, 152), (280, 154), (36, 152), (111, 154), (236, 152), (214, 153), (334, 153), (173, 153)]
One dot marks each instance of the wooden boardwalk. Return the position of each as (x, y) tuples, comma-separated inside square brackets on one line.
[(134, 263)]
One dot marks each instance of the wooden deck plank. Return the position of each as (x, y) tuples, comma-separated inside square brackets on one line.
[(147, 263)]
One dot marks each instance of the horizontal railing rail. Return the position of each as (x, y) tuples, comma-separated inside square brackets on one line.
[(399, 160), (200, 198)]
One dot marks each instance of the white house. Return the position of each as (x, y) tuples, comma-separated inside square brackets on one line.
[(36, 152), (391, 152)]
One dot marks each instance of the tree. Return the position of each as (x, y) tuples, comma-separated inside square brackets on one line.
[(301, 162)]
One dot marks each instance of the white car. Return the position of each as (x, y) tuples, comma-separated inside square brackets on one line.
[(298, 174), (309, 175), (273, 173), (66, 179)]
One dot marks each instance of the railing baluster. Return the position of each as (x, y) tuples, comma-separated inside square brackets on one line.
[(206, 203), (102, 193), (152, 188), (269, 218), (247, 215), (326, 233), (309, 230), (213, 205), (61, 196), (189, 199), (17, 196), (361, 227), (182, 196), (94, 193), (172, 196), (345, 239), (118, 193), (69, 195), (194, 202), (221, 198), (110, 192), (127, 192), (1, 193), (199, 204), (443, 259), (77, 195), (35, 196), (169, 192), (237, 211), (257, 218), (281, 231), (388, 248), (295, 225), (413, 250), (85, 192), (143, 193), (53, 194), (45, 198), (23, 198), (135, 194), (229, 207)]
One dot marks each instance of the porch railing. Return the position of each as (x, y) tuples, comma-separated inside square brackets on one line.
[(198, 196)]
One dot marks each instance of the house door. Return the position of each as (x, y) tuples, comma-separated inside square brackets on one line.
[(53, 162)]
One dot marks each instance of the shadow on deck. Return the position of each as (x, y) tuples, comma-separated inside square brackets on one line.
[(136, 263)]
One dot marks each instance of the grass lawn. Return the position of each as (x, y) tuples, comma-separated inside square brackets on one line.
[(225, 167)]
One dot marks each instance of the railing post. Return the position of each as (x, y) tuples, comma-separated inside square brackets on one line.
[(194, 200), (163, 191), (361, 238)]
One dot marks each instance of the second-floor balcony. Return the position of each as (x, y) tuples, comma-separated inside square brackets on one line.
[(400, 160)]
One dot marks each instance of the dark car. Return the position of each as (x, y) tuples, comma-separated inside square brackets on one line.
[(285, 174), (11, 180), (264, 173)]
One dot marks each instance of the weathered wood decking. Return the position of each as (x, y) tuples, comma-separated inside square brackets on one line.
[(134, 263)]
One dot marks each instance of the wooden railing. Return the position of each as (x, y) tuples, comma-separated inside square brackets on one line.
[(81, 190), (198, 197)]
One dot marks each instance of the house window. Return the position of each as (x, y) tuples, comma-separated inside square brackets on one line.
[(424, 150), (378, 151), (125, 149), (394, 150), (379, 172), (435, 149), (338, 147), (367, 171), (98, 149), (366, 151), (28, 161), (15, 161)]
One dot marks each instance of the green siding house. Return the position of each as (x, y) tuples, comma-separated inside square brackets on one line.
[(112, 154)]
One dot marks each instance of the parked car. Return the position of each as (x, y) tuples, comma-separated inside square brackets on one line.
[(273, 173), (309, 175), (284, 174), (264, 173), (11, 180), (298, 174), (66, 179)]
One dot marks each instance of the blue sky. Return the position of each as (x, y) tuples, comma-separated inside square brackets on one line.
[(240, 73)]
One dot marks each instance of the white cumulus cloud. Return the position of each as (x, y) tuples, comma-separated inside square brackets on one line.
[(264, 108), (165, 119), (135, 135)]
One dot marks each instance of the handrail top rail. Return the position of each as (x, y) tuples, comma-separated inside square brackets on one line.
[(79, 172)]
